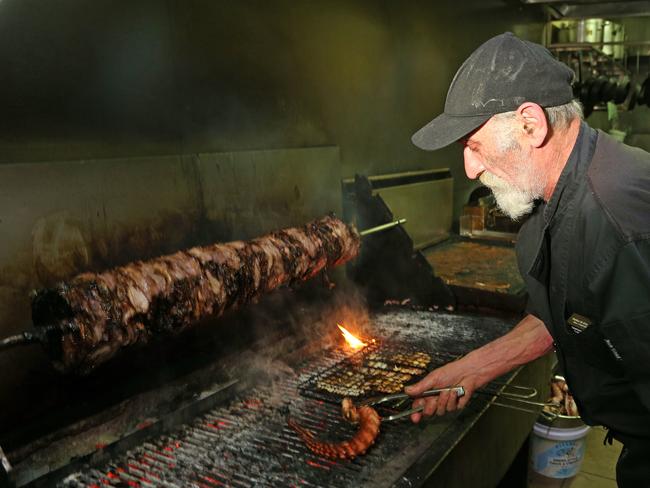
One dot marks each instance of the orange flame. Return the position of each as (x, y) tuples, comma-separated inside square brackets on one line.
[(352, 341)]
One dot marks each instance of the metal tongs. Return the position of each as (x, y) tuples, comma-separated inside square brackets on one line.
[(399, 399), (521, 394)]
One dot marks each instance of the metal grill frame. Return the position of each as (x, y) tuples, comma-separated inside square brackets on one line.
[(427, 445), (311, 389), (190, 442)]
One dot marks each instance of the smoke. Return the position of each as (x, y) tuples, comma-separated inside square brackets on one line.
[(348, 307), (344, 305), (291, 326)]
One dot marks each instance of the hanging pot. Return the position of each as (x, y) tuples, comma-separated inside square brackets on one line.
[(596, 91), (633, 96), (576, 87), (621, 92), (608, 91), (585, 97), (584, 91), (644, 94), (640, 99)]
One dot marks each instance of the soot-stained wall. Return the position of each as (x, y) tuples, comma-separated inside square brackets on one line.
[(105, 79), (123, 124)]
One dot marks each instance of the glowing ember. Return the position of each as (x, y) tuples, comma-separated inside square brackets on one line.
[(352, 341), (317, 465)]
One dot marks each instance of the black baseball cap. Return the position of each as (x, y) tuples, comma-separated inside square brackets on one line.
[(498, 77)]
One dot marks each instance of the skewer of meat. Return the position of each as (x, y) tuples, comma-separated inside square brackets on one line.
[(102, 313), (368, 420)]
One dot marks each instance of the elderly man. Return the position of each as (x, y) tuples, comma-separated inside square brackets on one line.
[(584, 252)]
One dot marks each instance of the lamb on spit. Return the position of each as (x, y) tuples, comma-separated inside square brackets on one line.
[(105, 312)]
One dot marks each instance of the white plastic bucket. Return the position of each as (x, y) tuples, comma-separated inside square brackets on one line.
[(557, 452)]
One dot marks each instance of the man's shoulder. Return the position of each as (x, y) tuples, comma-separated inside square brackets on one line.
[(619, 177)]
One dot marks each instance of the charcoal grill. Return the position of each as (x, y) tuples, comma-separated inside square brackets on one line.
[(220, 422), (362, 367), (236, 434)]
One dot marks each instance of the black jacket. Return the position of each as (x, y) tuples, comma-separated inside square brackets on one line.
[(585, 257)]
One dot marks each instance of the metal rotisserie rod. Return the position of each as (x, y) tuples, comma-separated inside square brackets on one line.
[(382, 227), (98, 314)]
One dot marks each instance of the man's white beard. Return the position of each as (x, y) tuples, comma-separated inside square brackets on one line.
[(513, 201)]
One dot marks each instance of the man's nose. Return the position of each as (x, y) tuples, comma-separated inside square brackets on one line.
[(473, 165)]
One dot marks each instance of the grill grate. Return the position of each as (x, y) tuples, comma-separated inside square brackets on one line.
[(247, 442), (244, 444), (379, 368)]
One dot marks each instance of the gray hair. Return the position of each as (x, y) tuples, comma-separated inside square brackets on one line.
[(561, 116), (558, 117)]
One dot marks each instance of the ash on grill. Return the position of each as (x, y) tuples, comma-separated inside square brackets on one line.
[(224, 447), (248, 442)]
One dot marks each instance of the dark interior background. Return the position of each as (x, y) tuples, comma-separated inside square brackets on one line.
[(102, 79), (130, 129)]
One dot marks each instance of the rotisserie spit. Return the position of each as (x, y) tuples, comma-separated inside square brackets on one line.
[(94, 315)]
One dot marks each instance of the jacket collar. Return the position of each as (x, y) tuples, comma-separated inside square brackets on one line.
[(574, 171)]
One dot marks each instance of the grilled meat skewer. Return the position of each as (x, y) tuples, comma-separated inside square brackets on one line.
[(104, 312)]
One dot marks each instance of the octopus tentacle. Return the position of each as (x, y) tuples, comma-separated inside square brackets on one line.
[(369, 422)]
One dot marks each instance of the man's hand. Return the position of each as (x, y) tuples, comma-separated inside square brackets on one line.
[(457, 373), (526, 342)]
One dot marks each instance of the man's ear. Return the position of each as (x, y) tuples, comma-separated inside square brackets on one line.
[(534, 123)]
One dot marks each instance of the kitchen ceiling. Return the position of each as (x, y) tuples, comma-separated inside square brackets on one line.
[(594, 8)]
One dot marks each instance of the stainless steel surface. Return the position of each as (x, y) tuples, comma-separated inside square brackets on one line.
[(390, 266), (490, 235), (519, 396), (459, 390), (521, 402), (565, 1), (560, 421), (588, 45), (382, 227), (4, 462), (517, 405), (426, 205), (400, 397), (585, 9), (516, 391), (404, 414), (605, 9)]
